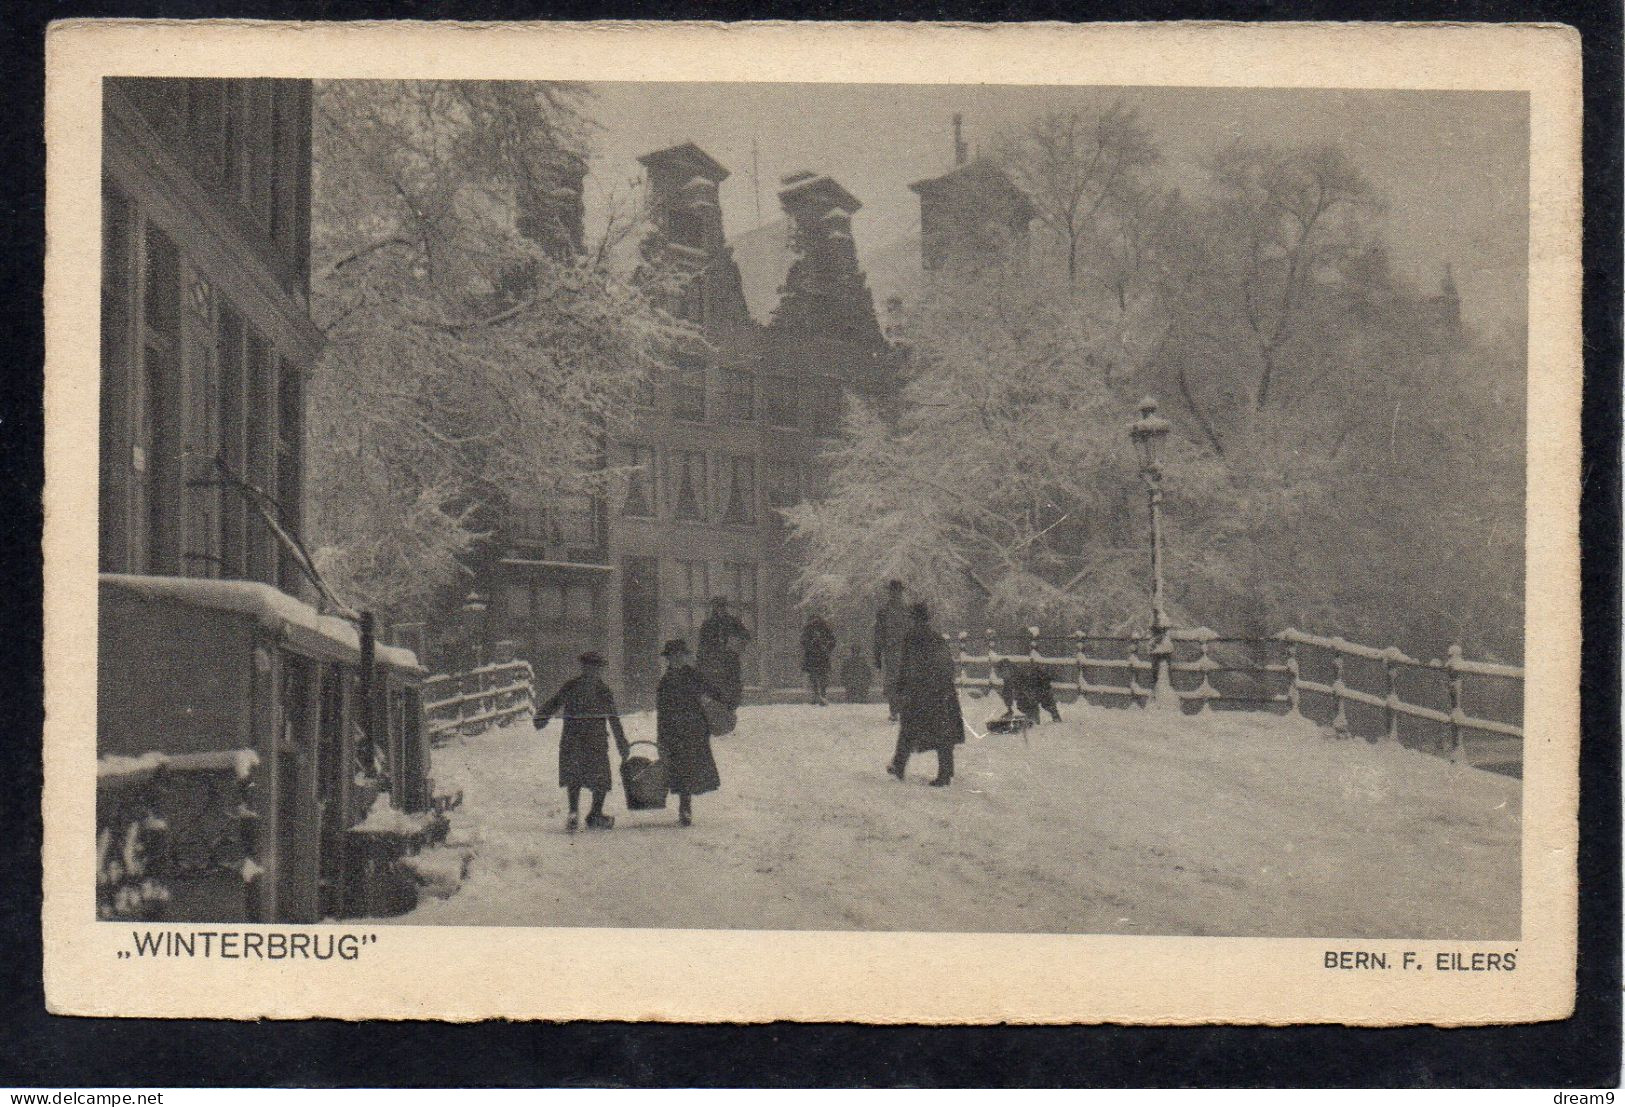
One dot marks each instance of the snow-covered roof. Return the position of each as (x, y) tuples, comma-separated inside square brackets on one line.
[(686, 155), (812, 190), (274, 610), (980, 174)]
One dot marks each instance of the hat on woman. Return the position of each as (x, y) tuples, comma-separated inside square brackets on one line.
[(674, 647), (591, 657), (920, 611)]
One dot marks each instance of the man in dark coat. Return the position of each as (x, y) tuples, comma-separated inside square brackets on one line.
[(891, 627), (682, 731), (589, 714), (718, 660), (927, 699), (856, 676), (1026, 688), (817, 646)]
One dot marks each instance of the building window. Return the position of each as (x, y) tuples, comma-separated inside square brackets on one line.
[(823, 410), (783, 484), (549, 603), (290, 451), (121, 485), (581, 604), (690, 597), (518, 602), (781, 585), (739, 395), (688, 393), (741, 505), (640, 481), (574, 518), (688, 484), (260, 365), (687, 228), (739, 585), (527, 521), (779, 394), (234, 510), (157, 440)]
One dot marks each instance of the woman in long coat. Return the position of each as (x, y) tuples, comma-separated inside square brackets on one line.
[(682, 730), (927, 699)]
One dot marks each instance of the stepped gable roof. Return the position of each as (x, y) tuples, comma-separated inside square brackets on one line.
[(978, 174), (687, 159), (807, 189)]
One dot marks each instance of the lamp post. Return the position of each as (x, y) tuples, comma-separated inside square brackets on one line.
[(1148, 433), (474, 625)]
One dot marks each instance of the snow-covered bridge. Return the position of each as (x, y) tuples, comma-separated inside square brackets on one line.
[(1114, 821)]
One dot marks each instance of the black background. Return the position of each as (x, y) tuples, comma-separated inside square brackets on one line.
[(40, 1049)]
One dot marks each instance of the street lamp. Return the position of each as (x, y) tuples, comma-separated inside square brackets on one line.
[(474, 606), (1149, 433)]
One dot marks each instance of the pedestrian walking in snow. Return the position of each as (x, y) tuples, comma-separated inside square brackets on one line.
[(856, 676), (718, 660), (588, 708), (817, 647), (682, 730), (1026, 688), (891, 627), (927, 699)]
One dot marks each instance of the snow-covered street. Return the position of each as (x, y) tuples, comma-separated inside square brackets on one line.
[(1115, 821)]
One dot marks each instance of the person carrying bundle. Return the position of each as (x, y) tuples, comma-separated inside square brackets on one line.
[(1026, 688), (589, 714)]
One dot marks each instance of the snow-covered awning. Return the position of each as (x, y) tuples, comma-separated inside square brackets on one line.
[(274, 610)]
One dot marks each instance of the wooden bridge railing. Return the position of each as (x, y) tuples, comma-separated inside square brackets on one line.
[(1356, 690), (468, 703)]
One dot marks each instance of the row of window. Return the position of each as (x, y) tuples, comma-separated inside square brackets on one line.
[(186, 381), (249, 139), (700, 488), (690, 587), (812, 403)]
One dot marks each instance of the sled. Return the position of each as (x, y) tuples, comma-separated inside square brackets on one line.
[(644, 780), (1009, 724)]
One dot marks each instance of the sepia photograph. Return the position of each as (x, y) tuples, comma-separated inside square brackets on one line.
[(726, 505)]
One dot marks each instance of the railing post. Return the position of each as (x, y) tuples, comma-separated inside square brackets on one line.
[(1134, 673), (1032, 645), (1204, 637), (961, 670), (1452, 666), (1340, 719), (992, 648), (1390, 673), (1077, 650), (1294, 704)]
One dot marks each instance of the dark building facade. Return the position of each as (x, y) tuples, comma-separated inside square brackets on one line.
[(726, 438), (242, 735), (206, 332), (970, 213)]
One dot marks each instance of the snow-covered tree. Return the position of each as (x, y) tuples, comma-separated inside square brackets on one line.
[(477, 349), (1345, 457)]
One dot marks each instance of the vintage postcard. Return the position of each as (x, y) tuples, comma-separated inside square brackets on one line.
[(894, 523)]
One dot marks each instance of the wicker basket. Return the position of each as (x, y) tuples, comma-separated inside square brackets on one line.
[(644, 779)]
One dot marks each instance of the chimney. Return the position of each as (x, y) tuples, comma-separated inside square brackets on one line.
[(959, 139)]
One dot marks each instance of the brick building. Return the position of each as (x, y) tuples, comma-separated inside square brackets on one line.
[(730, 435)]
